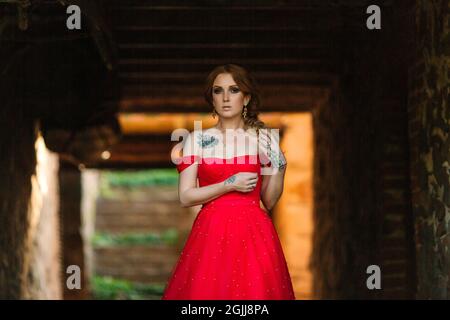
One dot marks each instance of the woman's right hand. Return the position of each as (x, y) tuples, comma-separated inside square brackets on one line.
[(243, 181)]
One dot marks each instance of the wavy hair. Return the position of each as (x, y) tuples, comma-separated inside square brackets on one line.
[(247, 85)]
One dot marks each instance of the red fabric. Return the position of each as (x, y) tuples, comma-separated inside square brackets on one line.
[(186, 161), (233, 250)]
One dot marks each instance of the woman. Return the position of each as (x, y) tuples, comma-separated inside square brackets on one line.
[(232, 251)]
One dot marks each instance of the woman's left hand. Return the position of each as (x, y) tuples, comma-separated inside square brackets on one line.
[(270, 148)]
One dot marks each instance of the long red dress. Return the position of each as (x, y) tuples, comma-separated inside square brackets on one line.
[(233, 250)]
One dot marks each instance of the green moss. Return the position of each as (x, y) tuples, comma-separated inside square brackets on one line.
[(168, 237), (108, 288), (140, 178)]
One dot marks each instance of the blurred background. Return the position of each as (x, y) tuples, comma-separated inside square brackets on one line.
[(86, 118)]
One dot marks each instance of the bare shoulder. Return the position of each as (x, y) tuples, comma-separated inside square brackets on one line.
[(192, 143)]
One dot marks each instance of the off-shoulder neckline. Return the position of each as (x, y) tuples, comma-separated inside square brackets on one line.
[(240, 156)]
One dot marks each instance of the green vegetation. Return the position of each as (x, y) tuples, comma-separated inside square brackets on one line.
[(132, 185), (140, 178), (114, 184), (169, 237), (107, 288)]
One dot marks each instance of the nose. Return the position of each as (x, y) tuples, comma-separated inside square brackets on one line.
[(225, 96)]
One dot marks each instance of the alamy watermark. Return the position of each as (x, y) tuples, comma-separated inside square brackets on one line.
[(73, 22), (374, 20), (374, 280), (74, 280), (208, 147)]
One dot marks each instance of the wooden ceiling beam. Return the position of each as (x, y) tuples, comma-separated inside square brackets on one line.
[(196, 88), (276, 98), (146, 78), (320, 16), (143, 151), (223, 35), (176, 105), (230, 51), (307, 4), (206, 65), (228, 16)]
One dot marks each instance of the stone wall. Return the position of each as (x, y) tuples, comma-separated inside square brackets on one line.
[(429, 121)]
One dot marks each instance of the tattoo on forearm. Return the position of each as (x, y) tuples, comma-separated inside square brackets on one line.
[(277, 160), (230, 180)]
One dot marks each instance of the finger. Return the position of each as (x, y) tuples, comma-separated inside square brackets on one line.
[(252, 185)]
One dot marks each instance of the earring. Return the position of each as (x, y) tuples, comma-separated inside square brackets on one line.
[(214, 113), (244, 114)]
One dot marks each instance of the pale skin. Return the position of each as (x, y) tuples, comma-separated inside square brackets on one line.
[(227, 93)]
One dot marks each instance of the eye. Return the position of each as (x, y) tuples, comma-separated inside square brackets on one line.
[(235, 90), (217, 90)]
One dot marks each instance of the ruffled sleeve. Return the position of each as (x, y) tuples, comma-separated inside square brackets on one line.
[(186, 161)]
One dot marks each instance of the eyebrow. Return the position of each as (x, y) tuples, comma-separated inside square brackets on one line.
[(233, 85)]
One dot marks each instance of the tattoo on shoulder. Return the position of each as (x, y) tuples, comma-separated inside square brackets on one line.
[(207, 141), (230, 180)]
